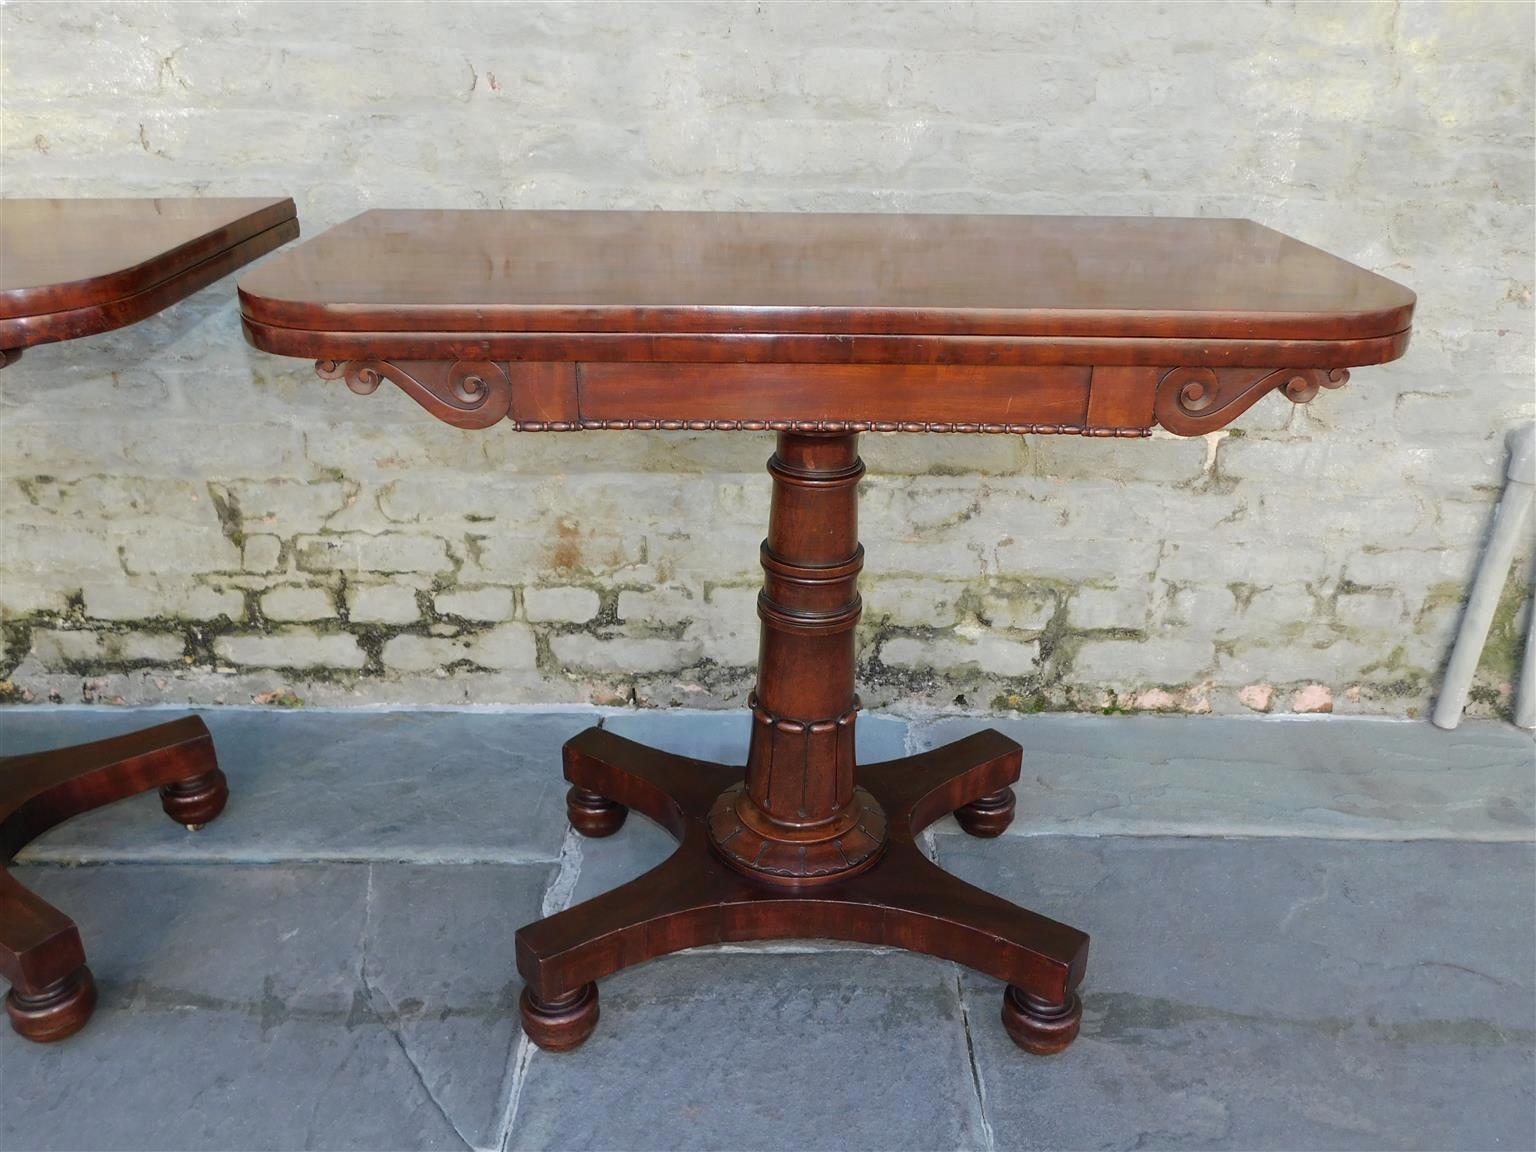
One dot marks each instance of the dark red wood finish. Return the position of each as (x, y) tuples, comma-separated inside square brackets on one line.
[(818, 328), (717, 273), (1014, 324), (72, 268), (52, 992)]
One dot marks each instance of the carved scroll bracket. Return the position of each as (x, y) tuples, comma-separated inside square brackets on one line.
[(1194, 401), (464, 393), (479, 393)]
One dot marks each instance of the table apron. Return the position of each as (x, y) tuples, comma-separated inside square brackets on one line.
[(554, 396), (893, 393)]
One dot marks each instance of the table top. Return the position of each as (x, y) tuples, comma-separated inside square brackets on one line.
[(762, 319), (70, 268), (693, 272)]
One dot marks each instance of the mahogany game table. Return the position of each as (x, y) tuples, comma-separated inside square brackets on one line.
[(818, 328), (72, 268)]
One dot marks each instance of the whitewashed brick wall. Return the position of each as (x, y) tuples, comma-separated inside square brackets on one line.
[(185, 519)]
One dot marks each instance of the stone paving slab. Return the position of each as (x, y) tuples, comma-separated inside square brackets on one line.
[(280, 1006), (1272, 994), (1235, 776), (1267, 993), (441, 957), (831, 1051), (315, 785), (216, 1079)]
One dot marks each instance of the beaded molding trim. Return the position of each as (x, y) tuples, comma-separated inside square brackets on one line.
[(831, 426), (478, 394)]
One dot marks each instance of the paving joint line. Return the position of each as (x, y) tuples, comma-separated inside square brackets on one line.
[(557, 898), (978, 1082)]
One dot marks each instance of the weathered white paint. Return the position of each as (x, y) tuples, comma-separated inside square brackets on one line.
[(166, 481)]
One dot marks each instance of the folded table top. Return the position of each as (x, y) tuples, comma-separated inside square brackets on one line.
[(819, 274), (617, 295), (71, 268)]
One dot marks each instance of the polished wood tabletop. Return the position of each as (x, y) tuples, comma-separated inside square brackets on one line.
[(71, 268), (473, 271), (819, 327), (742, 320)]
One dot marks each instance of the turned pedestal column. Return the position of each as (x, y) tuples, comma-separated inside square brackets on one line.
[(800, 846), (798, 817), (816, 327)]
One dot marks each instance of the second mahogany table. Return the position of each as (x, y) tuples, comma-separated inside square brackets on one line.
[(817, 327), (72, 268)]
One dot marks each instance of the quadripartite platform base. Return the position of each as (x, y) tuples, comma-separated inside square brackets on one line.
[(52, 991), (694, 897)]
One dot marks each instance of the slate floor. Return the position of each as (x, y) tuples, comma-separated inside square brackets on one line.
[(1307, 934)]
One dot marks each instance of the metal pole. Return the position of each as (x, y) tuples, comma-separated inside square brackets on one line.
[(1525, 701), (1519, 488)]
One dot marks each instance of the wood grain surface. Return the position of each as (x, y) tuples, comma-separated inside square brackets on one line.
[(729, 273), (558, 321), (72, 268)]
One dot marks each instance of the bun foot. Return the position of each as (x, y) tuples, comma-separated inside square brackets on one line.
[(563, 1023), (593, 816), (195, 801), (55, 1013), (1038, 1027), (988, 816)]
